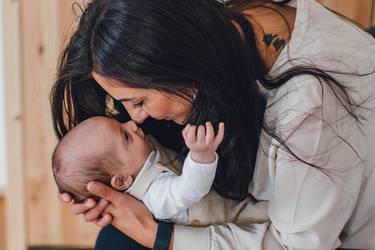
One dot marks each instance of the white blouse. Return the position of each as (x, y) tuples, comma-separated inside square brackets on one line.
[(311, 208)]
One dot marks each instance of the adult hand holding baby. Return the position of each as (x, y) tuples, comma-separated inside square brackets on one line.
[(133, 218), (128, 214), (91, 211)]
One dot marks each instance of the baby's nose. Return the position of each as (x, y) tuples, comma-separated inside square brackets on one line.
[(132, 125)]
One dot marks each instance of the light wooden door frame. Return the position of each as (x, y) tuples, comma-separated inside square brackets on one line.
[(34, 32), (15, 206)]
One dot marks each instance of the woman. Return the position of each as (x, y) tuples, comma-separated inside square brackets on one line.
[(290, 81)]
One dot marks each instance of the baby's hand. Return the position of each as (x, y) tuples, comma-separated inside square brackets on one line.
[(202, 141)]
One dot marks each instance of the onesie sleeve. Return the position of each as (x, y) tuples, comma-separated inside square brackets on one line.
[(170, 194)]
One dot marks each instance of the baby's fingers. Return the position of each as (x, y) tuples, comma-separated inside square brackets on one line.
[(201, 134), (210, 134), (81, 208), (220, 134), (191, 137), (185, 132)]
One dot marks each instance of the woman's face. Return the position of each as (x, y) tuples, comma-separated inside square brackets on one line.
[(142, 103)]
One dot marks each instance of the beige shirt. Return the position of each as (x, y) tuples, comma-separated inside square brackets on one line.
[(167, 196), (310, 208)]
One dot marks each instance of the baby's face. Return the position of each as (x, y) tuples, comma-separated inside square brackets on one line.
[(130, 145)]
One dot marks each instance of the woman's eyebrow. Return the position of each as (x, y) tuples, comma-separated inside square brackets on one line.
[(126, 99)]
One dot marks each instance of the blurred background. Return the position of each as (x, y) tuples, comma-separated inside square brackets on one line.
[(32, 33)]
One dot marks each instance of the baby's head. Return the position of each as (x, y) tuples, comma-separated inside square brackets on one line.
[(99, 149)]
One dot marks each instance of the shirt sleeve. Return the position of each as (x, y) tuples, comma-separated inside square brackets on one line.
[(309, 205), (170, 194)]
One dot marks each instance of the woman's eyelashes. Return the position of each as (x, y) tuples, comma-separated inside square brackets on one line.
[(138, 105)]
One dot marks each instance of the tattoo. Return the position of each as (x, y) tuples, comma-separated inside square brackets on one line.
[(277, 43), (268, 38)]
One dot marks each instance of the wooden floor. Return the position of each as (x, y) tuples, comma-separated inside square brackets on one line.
[(2, 224), (2, 232), (56, 248)]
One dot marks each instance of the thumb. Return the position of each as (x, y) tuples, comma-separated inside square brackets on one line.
[(103, 191)]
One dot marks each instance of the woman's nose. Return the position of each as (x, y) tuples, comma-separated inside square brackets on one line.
[(137, 115), (131, 125)]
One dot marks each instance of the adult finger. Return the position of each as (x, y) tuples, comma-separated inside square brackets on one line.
[(104, 192), (65, 197), (80, 208), (94, 213), (104, 221)]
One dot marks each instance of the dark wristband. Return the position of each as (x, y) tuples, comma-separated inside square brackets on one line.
[(163, 235)]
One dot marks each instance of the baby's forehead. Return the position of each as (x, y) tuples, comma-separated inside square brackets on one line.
[(91, 131), (99, 126), (100, 122)]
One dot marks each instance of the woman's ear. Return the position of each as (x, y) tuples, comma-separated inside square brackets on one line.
[(121, 181)]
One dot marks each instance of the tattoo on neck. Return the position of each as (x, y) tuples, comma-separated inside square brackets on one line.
[(274, 40)]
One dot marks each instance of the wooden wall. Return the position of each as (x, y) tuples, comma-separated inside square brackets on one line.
[(42, 25), (45, 23), (35, 31), (41, 46), (15, 198), (357, 10), (2, 224)]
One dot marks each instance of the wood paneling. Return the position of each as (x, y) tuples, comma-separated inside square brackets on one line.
[(358, 10), (39, 46), (49, 221), (15, 193)]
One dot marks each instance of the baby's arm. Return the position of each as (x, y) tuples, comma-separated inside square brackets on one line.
[(169, 194)]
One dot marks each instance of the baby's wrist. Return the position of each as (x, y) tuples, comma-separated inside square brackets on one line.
[(204, 158)]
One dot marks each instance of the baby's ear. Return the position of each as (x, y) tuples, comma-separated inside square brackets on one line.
[(121, 181)]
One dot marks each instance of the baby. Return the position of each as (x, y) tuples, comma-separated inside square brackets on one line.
[(121, 156)]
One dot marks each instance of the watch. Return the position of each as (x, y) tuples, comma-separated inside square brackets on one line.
[(163, 235)]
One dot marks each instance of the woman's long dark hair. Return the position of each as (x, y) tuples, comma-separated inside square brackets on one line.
[(175, 47)]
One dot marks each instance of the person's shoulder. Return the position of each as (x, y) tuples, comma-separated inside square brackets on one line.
[(303, 88), (291, 103)]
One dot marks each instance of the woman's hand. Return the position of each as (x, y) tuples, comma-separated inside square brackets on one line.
[(91, 211), (129, 215)]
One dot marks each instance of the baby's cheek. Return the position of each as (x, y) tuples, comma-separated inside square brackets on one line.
[(143, 150)]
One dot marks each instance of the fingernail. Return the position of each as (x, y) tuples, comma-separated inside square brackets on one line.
[(103, 203), (65, 198), (89, 204), (92, 187)]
